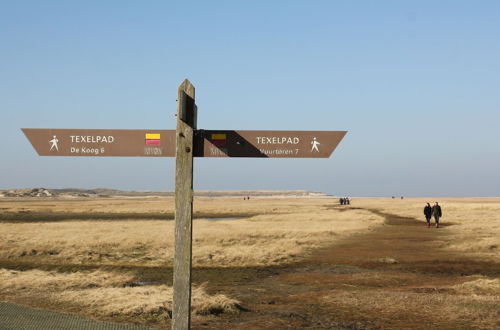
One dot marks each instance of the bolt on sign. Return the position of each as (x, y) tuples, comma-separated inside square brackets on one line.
[(184, 143)]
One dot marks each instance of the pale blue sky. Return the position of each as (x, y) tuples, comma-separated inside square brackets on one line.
[(416, 84)]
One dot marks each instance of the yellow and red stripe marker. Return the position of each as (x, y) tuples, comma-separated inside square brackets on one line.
[(219, 139), (153, 139)]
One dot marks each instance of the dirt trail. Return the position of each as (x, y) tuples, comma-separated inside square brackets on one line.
[(365, 281)]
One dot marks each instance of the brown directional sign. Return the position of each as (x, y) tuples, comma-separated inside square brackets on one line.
[(102, 142), (271, 144), (161, 143)]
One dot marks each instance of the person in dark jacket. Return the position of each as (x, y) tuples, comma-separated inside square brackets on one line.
[(437, 213), (428, 214)]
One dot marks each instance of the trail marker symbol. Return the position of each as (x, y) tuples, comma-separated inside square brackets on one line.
[(184, 143), (315, 145), (53, 143)]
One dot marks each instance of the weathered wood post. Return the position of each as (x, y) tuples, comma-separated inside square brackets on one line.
[(186, 123)]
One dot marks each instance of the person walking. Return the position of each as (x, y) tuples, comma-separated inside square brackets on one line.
[(437, 213), (428, 214)]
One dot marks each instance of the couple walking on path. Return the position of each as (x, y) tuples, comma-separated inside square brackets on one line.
[(435, 211)]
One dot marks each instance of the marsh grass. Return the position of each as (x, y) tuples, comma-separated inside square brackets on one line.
[(404, 307), (479, 285), (283, 230), (59, 235), (128, 234), (106, 293)]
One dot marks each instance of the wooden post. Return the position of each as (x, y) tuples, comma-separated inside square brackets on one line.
[(186, 123)]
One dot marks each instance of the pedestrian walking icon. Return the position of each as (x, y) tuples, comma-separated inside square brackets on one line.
[(315, 145), (53, 143)]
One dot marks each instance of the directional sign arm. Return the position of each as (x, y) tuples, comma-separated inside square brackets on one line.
[(269, 144), (162, 143), (102, 142)]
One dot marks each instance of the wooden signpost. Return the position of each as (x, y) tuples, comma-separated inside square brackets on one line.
[(184, 143), (186, 123)]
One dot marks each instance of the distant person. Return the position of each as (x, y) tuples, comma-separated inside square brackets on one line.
[(437, 213), (428, 214), (347, 201)]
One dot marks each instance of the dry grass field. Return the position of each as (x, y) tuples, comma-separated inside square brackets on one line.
[(263, 262), (130, 232)]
